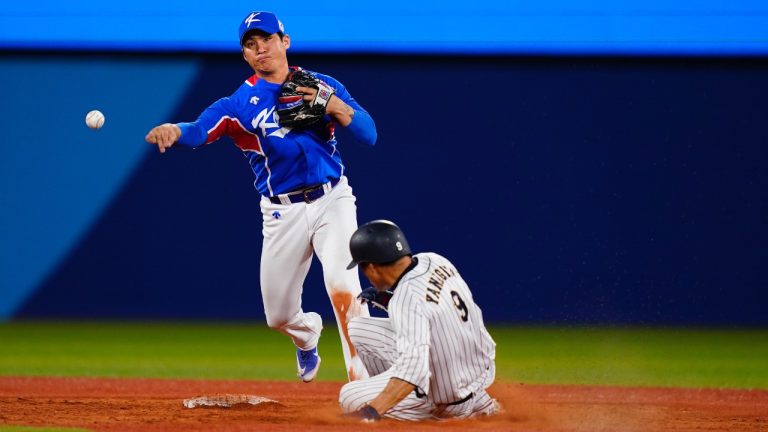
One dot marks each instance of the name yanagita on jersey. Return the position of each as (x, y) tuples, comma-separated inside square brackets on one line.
[(436, 281)]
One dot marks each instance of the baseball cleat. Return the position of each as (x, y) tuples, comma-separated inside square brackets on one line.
[(308, 363)]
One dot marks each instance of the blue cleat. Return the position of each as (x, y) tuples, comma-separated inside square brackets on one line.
[(308, 363)]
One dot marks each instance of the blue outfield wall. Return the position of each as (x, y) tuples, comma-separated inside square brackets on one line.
[(566, 190)]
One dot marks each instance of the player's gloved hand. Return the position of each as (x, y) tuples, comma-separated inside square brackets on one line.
[(292, 109), (376, 298), (367, 414)]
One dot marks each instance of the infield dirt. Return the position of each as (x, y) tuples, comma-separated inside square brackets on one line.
[(156, 405)]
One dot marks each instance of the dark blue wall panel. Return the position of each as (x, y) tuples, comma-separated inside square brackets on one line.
[(565, 190)]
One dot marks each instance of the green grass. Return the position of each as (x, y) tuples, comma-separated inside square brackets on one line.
[(634, 356), (552, 355)]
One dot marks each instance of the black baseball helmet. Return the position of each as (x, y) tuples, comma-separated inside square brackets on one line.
[(379, 241)]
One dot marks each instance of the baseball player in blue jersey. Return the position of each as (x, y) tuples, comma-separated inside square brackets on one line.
[(306, 202)]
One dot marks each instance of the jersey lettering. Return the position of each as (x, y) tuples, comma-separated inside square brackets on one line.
[(433, 295), (437, 279), (261, 122)]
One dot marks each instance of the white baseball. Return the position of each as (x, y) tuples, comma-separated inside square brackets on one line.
[(94, 119)]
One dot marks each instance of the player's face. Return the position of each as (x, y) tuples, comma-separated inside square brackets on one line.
[(266, 53), (374, 275)]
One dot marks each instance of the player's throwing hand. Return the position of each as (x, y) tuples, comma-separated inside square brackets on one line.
[(164, 136)]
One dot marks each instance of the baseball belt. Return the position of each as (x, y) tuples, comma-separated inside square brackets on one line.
[(307, 195), (459, 402), (420, 394)]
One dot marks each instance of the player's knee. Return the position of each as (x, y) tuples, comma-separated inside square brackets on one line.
[(349, 398), (277, 322), (355, 329)]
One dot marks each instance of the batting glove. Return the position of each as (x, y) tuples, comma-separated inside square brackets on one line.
[(376, 298), (366, 414)]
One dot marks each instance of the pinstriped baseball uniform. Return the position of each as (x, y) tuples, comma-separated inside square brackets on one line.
[(434, 338)]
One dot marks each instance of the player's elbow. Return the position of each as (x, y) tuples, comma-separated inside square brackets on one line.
[(370, 137), (363, 128), (367, 135)]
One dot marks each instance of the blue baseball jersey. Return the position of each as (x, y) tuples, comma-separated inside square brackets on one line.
[(282, 159)]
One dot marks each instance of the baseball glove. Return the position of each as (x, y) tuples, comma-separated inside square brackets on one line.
[(292, 109)]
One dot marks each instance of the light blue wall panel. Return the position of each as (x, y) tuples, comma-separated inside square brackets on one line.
[(56, 175), (736, 27)]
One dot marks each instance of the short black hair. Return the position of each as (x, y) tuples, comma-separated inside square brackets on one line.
[(248, 34), (388, 263)]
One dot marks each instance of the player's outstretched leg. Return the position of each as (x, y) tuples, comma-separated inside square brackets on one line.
[(285, 260), (374, 341), (335, 215)]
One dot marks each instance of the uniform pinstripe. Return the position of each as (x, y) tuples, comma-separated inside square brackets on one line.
[(434, 338)]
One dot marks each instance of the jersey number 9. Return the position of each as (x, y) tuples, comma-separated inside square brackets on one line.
[(460, 305)]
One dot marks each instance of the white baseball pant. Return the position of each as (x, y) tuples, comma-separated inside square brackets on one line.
[(374, 340), (292, 233)]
